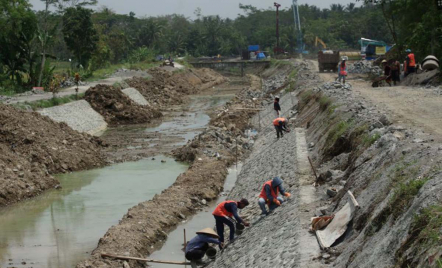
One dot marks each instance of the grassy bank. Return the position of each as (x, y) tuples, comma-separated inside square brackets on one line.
[(41, 104)]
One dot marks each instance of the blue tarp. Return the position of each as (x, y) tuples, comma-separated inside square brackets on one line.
[(253, 48), (260, 56)]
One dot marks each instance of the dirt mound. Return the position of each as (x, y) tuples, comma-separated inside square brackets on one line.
[(166, 88), (34, 147), (117, 108)]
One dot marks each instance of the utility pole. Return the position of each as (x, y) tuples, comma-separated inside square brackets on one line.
[(277, 26), (298, 32)]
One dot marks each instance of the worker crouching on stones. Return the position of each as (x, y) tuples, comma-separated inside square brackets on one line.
[(280, 124), (269, 195), (197, 247), (223, 214)]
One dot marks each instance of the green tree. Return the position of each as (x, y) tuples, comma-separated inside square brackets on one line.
[(79, 33), (18, 26)]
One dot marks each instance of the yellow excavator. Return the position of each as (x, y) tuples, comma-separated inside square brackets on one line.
[(321, 42)]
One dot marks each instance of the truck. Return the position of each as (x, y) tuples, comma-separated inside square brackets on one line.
[(328, 60)]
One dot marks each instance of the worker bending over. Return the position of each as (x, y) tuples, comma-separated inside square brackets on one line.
[(198, 246), (269, 195), (223, 214), (280, 124)]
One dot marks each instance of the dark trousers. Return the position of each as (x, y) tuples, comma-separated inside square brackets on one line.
[(220, 221), (410, 70), (278, 131), (197, 254), (396, 76)]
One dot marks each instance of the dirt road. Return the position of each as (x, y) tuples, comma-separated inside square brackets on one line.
[(416, 107)]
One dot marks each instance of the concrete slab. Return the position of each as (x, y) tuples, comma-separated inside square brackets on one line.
[(136, 96), (79, 115)]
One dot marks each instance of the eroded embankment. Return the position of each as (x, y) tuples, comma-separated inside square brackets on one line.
[(394, 173), (33, 148), (145, 226)]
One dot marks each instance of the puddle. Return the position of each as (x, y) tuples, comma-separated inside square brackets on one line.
[(61, 227), (172, 249)]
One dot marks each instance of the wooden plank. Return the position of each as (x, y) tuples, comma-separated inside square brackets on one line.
[(141, 259)]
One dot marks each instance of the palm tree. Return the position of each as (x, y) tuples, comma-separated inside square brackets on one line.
[(350, 7)]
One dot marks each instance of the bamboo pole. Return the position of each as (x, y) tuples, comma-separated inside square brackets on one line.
[(185, 245), (141, 259), (314, 171)]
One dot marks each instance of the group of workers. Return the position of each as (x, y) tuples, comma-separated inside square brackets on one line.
[(392, 68), (226, 213)]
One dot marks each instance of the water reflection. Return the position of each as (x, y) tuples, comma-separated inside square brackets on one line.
[(61, 227)]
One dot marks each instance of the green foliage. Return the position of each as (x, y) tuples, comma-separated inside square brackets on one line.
[(370, 139), (324, 102), (406, 188), (79, 33), (18, 27), (337, 131), (404, 195), (41, 104), (141, 54)]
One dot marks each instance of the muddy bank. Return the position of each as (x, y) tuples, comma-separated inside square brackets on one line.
[(117, 108), (393, 171), (34, 148)]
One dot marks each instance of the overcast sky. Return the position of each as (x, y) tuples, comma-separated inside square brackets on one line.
[(224, 8)]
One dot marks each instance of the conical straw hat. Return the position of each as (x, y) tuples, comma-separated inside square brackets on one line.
[(208, 231)]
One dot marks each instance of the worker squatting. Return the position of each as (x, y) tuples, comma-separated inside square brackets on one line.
[(226, 213)]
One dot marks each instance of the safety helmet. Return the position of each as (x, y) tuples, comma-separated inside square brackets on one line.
[(384, 61), (408, 50)]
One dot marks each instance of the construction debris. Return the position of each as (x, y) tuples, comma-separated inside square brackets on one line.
[(364, 67)]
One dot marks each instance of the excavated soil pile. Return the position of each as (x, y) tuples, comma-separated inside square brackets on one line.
[(166, 88), (117, 108), (34, 147), (144, 227)]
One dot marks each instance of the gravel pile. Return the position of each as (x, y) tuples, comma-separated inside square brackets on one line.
[(335, 85), (79, 115), (364, 67), (135, 95)]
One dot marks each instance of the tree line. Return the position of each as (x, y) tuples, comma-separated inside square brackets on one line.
[(70, 30)]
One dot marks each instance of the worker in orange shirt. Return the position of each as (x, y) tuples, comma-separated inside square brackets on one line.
[(223, 214), (269, 195), (410, 63), (280, 124)]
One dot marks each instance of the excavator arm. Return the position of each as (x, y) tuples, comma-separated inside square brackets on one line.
[(321, 42)]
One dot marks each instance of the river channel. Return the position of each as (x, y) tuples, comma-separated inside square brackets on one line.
[(61, 227)]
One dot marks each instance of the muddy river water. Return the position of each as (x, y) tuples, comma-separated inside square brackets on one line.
[(61, 227), (172, 249)]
